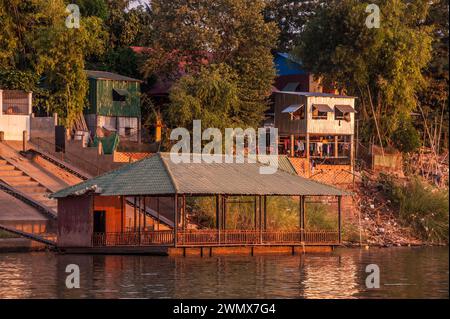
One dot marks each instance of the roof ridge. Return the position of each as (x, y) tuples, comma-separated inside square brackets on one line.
[(169, 172)]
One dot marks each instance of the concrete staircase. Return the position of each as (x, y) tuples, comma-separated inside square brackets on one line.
[(25, 184)]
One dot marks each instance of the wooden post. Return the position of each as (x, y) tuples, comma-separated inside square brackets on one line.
[(175, 221), (145, 214), (260, 220), (308, 164), (265, 212), (122, 202), (157, 208), (336, 147), (292, 150), (339, 218), (218, 198), (24, 140), (255, 211), (135, 213), (224, 213), (352, 155), (302, 218), (184, 212)]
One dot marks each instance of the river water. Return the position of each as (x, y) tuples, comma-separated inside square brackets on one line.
[(404, 273)]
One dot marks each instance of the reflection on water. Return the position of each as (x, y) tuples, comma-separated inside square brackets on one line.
[(405, 273)]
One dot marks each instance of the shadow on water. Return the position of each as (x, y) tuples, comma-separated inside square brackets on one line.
[(404, 273)]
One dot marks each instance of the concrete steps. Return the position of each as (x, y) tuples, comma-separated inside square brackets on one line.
[(25, 184)]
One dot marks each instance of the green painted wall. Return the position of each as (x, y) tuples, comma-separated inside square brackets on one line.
[(101, 102)]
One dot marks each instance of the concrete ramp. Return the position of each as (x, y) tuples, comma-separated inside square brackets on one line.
[(38, 238)]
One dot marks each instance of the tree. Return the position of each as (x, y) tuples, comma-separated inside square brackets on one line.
[(189, 34), (41, 44), (210, 96), (291, 17), (434, 98), (382, 66)]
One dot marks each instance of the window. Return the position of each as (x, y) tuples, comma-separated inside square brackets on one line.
[(119, 95), (342, 112), (298, 115), (127, 131), (319, 115)]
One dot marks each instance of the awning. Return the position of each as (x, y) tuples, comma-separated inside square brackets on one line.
[(121, 92), (292, 108), (323, 107), (291, 87), (345, 108)]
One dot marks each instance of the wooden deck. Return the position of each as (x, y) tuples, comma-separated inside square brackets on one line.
[(216, 238)]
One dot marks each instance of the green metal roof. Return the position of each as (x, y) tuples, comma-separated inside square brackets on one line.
[(103, 75), (158, 175)]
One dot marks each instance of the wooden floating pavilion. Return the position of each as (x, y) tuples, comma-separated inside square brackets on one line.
[(92, 214)]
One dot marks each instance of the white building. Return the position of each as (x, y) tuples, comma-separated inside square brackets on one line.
[(15, 114)]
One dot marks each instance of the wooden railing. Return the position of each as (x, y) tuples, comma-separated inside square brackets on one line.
[(216, 238), (254, 237), (161, 238)]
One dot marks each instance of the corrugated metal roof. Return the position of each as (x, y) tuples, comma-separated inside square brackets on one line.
[(158, 175), (147, 176), (292, 108), (318, 94), (291, 87), (323, 107), (103, 75), (345, 108)]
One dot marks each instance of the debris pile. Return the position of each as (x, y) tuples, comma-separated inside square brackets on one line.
[(377, 217)]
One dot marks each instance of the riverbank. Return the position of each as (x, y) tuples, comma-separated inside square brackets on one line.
[(397, 211)]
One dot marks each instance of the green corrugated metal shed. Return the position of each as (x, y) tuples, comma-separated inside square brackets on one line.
[(101, 90), (158, 175)]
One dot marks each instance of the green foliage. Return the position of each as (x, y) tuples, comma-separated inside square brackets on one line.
[(128, 26), (41, 45), (424, 208), (93, 8), (210, 96), (406, 138), (290, 16), (190, 34), (319, 217), (282, 213), (382, 66), (5, 234)]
